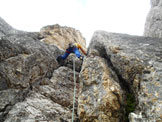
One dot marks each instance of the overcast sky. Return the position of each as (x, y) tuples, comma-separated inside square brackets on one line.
[(87, 16)]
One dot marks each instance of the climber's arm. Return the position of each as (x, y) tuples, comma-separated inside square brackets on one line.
[(80, 47)]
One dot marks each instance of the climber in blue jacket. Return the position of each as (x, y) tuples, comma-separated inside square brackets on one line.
[(73, 48)]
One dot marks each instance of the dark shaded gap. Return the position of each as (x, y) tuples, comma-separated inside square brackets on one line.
[(130, 96)]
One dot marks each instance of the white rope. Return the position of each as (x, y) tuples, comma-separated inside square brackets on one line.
[(74, 89)]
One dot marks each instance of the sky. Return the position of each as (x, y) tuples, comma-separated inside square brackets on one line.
[(87, 16)]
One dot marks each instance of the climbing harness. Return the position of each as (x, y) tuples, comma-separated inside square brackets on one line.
[(74, 89)]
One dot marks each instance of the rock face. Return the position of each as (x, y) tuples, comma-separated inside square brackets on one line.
[(101, 97), (33, 86), (153, 26), (5, 28), (62, 36), (137, 63), (119, 81), (51, 101)]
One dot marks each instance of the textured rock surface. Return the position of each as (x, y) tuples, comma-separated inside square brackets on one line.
[(153, 26), (5, 28), (51, 101), (101, 97), (23, 63), (8, 98), (62, 36), (138, 63), (32, 86), (37, 107)]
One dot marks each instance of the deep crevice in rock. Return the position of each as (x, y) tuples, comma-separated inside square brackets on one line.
[(130, 96)]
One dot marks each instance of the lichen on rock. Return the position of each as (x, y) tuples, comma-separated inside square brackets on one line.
[(138, 66), (101, 97)]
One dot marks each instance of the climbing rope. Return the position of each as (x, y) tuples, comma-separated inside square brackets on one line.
[(74, 89)]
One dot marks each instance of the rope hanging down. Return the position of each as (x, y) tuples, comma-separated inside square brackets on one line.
[(74, 89)]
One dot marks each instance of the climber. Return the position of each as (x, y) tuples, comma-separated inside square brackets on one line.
[(72, 48)]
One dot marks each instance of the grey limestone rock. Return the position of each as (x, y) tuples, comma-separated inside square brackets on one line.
[(138, 63), (153, 25), (32, 86), (5, 28), (101, 97), (51, 101)]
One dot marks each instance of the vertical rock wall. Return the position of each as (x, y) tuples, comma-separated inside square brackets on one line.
[(101, 97), (136, 62), (153, 25)]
